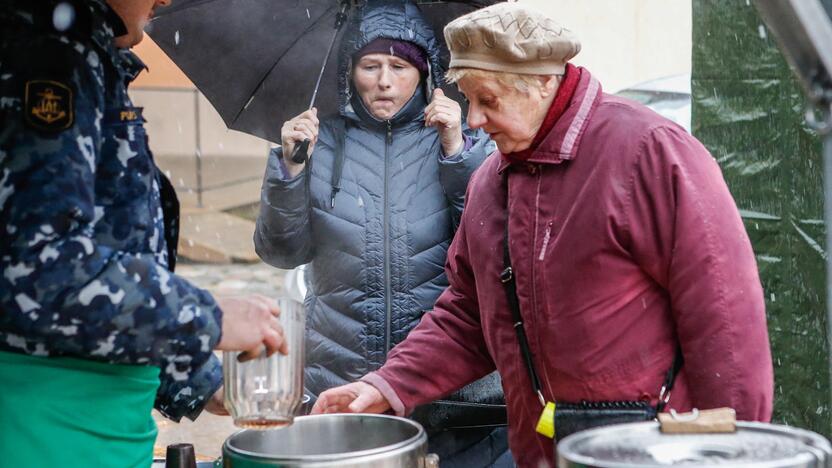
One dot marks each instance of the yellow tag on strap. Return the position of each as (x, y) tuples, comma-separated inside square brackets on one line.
[(546, 423)]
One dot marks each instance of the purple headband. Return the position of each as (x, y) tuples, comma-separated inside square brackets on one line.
[(402, 49)]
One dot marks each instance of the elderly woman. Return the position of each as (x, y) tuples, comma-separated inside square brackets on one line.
[(373, 214), (618, 232)]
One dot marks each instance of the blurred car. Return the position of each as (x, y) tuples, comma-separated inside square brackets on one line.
[(669, 96)]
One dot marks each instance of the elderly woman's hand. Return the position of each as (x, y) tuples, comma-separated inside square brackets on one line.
[(357, 397), (445, 114), (303, 127)]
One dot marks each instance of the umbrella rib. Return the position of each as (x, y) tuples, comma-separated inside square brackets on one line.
[(266, 75)]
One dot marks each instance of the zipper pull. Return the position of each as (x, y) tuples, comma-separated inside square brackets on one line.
[(389, 132)]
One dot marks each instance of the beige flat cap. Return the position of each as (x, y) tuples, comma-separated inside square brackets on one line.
[(510, 37)]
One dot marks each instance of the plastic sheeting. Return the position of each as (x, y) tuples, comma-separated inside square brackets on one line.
[(748, 111)]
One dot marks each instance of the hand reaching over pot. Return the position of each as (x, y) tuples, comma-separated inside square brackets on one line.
[(357, 397)]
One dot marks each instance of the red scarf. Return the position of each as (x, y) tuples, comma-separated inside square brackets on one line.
[(566, 90)]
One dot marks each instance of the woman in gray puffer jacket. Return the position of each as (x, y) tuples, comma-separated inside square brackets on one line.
[(373, 213)]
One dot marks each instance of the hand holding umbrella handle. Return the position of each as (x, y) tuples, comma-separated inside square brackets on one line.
[(301, 152)]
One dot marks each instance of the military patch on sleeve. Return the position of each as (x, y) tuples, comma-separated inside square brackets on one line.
[(49, 105)]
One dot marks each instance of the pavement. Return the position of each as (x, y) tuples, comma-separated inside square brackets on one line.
[(208, 432)]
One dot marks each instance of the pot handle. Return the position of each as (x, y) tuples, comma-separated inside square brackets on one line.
[(431, 460)]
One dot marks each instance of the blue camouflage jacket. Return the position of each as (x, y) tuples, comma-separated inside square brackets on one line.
[(84, 257)]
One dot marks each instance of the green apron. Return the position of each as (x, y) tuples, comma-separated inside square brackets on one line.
[(65, 412)]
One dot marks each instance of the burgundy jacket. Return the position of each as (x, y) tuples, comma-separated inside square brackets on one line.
[(624, 241)]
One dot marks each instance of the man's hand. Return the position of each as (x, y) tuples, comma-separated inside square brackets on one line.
[(249, 323), (445, 114), (303, 127), (357, 397), (216, 404)]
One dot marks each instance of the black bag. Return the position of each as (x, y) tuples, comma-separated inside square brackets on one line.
[(477, 405), (573, 417)]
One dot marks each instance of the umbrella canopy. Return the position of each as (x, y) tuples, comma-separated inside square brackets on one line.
[(257, 61)]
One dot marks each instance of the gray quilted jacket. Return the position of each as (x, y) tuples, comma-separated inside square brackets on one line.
[(376, 246)]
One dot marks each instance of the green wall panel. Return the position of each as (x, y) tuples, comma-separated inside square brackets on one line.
[(748, 111)]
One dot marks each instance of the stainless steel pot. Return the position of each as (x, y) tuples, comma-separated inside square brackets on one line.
[(343, 440), (643, 445)]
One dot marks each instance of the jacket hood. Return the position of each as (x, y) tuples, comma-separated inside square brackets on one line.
[(392, 19)]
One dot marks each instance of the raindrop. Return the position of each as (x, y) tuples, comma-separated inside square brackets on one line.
[(220, 145), (179, 126), (190, 243), (762, 31), (63, 16), (411, 33), (773, 298), (307, 14), (197, 228), (176, 37), (181, 182), (360, 201), (249, 102)]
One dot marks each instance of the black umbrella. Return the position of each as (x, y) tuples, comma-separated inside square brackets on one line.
[(257, 61)]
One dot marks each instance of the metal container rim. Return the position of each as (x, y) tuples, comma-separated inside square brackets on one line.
[(821, 444), (385, 450)]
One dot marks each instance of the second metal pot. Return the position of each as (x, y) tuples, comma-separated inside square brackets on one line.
[(643, 445)]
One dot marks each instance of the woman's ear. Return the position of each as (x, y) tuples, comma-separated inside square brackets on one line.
[(549, 84)]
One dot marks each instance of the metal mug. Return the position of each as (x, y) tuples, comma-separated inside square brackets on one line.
[(267, 392)]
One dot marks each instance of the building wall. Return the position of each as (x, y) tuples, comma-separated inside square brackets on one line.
[(623, 42)]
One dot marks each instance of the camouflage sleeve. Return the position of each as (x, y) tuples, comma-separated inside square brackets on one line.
[(61, 291), (176, 399)]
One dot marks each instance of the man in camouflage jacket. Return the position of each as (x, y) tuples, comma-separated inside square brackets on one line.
[(87, 220)]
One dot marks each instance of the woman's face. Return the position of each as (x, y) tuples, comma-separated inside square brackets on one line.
[(510, 116), (385, 83)]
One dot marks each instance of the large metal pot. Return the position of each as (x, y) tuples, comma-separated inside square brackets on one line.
[(343, 440), (643, 445)]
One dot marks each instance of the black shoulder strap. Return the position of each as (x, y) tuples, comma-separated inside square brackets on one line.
[(507, 278), (338, 163)]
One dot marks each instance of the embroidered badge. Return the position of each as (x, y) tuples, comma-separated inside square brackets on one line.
[(49, 105)]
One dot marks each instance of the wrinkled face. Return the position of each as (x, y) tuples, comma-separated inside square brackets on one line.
[(385, 83), (510, 116), (135, 14)]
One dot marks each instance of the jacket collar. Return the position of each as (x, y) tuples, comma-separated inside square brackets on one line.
[(130, 64), (563, 141)]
